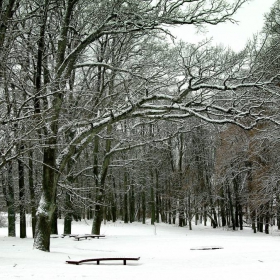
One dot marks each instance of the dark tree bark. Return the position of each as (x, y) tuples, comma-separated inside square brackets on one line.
[(21, 198), (54, 229), (267, 217), (32, 191), (231, 210), (253, 216), (152, 205), (131, 205), (157, 197), (143, 203), (68, 214), (114, 202), (222, 207), (10, 200), (47, 204)]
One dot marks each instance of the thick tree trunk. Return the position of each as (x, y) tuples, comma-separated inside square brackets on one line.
[(190, 223), (97, 219), (47, 205), (100, 179)]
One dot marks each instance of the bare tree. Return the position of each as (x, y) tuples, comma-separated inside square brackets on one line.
[(71, 81)]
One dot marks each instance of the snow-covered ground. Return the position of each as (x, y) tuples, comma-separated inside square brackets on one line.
[(165, 253)]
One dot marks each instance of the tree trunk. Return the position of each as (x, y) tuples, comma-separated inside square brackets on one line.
[(223, 212), (114, 202), (131, 205), (68, 214), (67, 225), (98, 217), (231, 210), (152, 205), (21, 199), (54, 229), (157, 198), (253, 215), (47, 205), (240, 214), (125, 208), (32, 192), (190, 214), (10, 199), (267, 218), (143, 200)]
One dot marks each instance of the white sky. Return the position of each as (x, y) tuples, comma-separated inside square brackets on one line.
[(250, 21)]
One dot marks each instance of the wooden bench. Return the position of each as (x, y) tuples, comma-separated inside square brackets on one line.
[(98, 260), (207, 248), (69, 235), (78, 237)]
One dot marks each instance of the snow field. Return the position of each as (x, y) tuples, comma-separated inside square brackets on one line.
[(164, 251)]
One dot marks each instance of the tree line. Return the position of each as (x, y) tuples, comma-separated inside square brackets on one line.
[(102, 117)]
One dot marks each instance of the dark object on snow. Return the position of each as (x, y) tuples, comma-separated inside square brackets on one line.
[(207, 248), (78, 237), (98, 260)]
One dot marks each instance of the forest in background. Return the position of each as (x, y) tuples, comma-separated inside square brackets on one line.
[(104, 117)]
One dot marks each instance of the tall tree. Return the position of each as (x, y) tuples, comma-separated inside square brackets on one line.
[(65, 48)]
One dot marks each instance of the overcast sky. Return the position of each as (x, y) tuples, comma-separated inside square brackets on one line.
[(251, 21)]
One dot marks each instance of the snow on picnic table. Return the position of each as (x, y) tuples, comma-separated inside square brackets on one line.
[(164, 251)]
